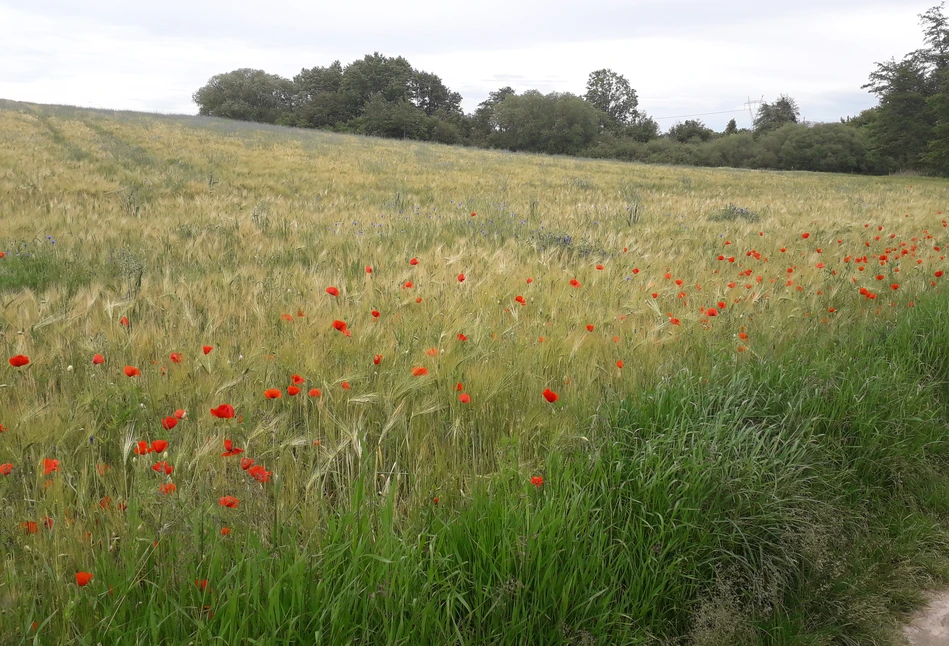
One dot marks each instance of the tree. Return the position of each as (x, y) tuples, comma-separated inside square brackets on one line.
[(937, 150), (612, 94), (903, 123), (731, 128), (772, 116), (936, 36), (552, 123), (246, 94), (430, 95), (691, 130), (375, 74), (319, 103), (483, 122)]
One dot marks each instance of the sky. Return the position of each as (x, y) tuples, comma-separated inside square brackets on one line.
[(683, 57)]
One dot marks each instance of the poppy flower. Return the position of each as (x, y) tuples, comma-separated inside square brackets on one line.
[(462, 337), (418, 300), (180, 413), (530, 280), (286, 317), (224, 411), (259, 473), (413, 262), (938, 274), (377, 359), (711, 312), (97, 359), (20, 360), (105, 502), (432, 352), (297, 380), (520, 299), (464, 398), (163, 467), (315, 392), (30, 526), (674, 321), (50, 465), (459, 386), (599, 267), (273, 393), (589, 328), (574, 282), (332, 291), (2, 428), (368, 269), (83, 578), (207, 349), (895, 286), (142, 448), (230, 450), (124, 321), (6, 469), (169, 423), (537, 481), (345, 385), (175, 357), (167, 488), (375, 314), (159, 446), (619, 364), (293, 391), (341, 327), (461, 278), (805, 235), (228, 501), (408, 285), (419, 371), (246, 463), (202, 584), (131, 371), (225, 531), (550, 395)]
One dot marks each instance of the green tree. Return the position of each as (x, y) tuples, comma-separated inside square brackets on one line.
[(937, 150), (731, 128), (372, 75), (319, 102), (691, 130), (430, 95), (552, 123), (483, 122), (612, 94), (246, 94), (772, 116), (902, 125)]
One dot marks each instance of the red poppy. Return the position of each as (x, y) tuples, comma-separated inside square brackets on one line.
[(83, 578), (574, 282), (30, 526), (345, 385), (419, 371), (938, 274), (413, 262), (464, 398), (805, 235), (520, 299), (207, 348), (297, 380), (230, 450), (224, 411), (537, 481), (131, 371), (124, 321), (418, 300), (377, 359), (246, 463), (619, 364), (895, 286), (228, 501), (159, 446), (225, 531), (6, 469), (408, 285), (550, 395), (599, 267), (461, 278), (273, 393), (711, 312), (589, 328), (432, 352), (459, 386), (167, 488), (286, 317), (293, 391), (462, 337), (341, 326), (721, 305), (20, 360), (142, 448), (315, 392), (530, 280), (169, 423), (332, 291), (368, 269), (375, 314), (97, 359), (50, 465), (163, 467), (202, 584), (180, 413), (259, 473), (175, 357), (105, 502)]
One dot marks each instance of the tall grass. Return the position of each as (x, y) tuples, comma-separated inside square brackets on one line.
[(770, 474)]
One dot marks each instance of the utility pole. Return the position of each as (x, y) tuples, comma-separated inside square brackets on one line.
[(757, 103)]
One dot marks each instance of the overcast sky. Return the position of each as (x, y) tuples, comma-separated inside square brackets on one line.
[(683, 57)]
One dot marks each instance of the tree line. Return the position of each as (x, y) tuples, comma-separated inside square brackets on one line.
[(386, 96)]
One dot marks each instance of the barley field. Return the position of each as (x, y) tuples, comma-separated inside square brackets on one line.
[(265, 385)]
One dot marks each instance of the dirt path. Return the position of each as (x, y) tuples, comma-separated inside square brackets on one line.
[(930, 626)]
